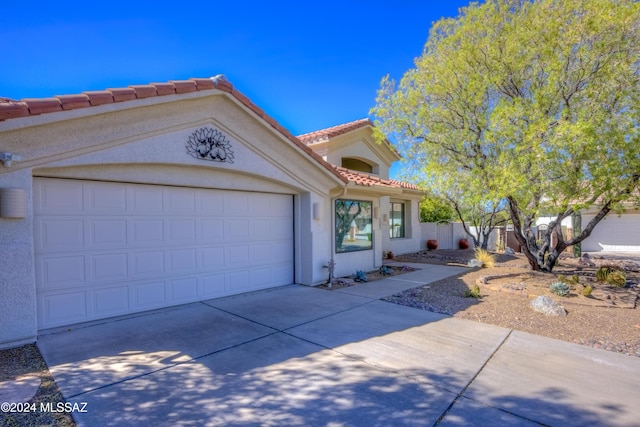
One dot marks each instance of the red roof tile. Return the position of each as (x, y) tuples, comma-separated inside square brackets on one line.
[(122, 94), (99, 97), (71, 102), (368, 180), (333, 131), (10, 109), (144, 91), (324, 134)]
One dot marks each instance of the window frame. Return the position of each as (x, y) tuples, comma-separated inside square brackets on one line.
[(362, 221), (402, 230)]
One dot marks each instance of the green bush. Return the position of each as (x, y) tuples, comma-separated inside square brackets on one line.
[(603, 272), (586, 291), (617, 278), (474, 292), (612, 275), (559, 288)]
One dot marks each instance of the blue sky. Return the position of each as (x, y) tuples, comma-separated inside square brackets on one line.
[(310, 65)]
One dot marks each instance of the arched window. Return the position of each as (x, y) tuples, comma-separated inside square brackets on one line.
[(356, 165)]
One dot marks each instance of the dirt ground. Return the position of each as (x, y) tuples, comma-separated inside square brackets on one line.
[(607, 319)]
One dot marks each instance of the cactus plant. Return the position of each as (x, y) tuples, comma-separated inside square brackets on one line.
[(385, 271), (360, 276), (559, 288), (617, 278)]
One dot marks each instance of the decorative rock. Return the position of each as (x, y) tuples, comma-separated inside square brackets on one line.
[(509, 251), (475, 263), (548, 306)]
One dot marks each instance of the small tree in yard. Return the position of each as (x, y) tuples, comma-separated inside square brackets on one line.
[(536, 102), (434, 209)]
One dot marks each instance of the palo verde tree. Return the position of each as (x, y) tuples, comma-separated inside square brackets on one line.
[(479, 212), (536, 101)]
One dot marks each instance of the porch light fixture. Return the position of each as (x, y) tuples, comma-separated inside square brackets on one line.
[(385, 218), (7, 158), (376, 212), (13, 203)]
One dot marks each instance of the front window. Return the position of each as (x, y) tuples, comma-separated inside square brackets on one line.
[(353, 225), (396, 220)]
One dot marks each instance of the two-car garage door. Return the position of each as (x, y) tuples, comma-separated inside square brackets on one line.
[(107, 249)]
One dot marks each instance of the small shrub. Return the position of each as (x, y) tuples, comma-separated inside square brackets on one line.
[(360, 276), (562, 278), (474, 292), (604, 271), (586, 291), (559, 288), (617, 278), (488, 260), (385, 271), (612, 275), (575, 279)]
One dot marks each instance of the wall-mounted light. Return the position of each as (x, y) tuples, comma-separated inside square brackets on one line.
[(13, 203), (385, 218), (7, 158), (316, 211), (376, 212)]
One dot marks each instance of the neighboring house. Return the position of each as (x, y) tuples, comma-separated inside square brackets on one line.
[(125, 200), (615, 233)]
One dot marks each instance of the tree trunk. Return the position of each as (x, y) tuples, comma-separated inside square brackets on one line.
[(542, 256)]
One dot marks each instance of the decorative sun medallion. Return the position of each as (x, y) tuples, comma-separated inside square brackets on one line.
[(210, 144)]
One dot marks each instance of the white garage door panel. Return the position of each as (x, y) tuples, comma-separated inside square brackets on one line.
[(106, 249), (613, 233)]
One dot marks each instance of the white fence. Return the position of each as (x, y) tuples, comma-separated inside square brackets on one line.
[(448, 235)]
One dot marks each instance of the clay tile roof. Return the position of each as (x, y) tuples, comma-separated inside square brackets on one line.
[(333, 131), (11, 109), (368, 180)]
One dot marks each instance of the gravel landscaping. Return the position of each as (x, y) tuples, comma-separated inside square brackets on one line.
[(607, 319)]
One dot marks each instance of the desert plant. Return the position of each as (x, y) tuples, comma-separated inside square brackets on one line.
[(586, 291), (474, 292), (360, 276), (575, 279), (562, 278), (617, 278), (559, 288), (488, 260), (385, 271), (603, 272)]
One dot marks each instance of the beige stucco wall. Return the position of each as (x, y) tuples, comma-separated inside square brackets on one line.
[(144, 142), (361, 145), (413, 232)]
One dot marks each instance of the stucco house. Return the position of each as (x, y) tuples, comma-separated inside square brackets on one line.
[(131, 199)]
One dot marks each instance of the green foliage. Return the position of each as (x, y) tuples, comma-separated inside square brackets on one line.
[(434, 209), (488, 259), (385, 271), (536, 103), (617, 278), (586, 291), (560, 288), (612, 275), (474, 292), (360, 276), (575, 279)]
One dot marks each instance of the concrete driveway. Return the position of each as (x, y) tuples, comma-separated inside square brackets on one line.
[(297, 355)]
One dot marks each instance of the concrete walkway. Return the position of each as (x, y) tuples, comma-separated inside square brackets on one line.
[(297, 355)]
